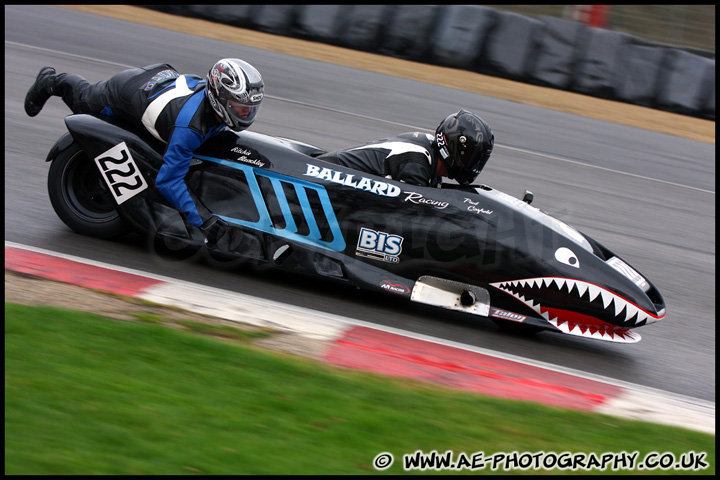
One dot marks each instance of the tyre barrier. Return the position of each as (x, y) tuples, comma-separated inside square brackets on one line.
[(549, 51)]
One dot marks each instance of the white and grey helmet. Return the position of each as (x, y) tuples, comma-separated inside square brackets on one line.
[(235, 90)]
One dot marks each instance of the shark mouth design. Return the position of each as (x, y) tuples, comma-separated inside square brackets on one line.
[(625, 313)]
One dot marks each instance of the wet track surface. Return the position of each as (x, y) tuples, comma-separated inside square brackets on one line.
[(647, 196)]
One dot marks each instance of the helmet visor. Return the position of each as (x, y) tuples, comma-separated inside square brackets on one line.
[(470, 166), (242, 114)]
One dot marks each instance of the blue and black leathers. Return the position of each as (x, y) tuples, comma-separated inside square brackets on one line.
[(170, 106)]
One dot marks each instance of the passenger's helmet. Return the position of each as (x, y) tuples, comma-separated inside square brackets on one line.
[(465, 143), (235, 92)]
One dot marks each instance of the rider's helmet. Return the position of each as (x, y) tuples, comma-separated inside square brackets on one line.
[(235, 92), (465, 143)]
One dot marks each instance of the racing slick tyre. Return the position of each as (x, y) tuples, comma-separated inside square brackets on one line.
[(80, 196)]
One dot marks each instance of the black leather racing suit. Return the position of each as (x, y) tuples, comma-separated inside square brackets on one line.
[(408, 157)]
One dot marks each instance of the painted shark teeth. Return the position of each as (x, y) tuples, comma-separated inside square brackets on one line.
[(626, 312), (612, 334)]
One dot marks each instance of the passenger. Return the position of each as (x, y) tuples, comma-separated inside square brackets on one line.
[(461, 147)]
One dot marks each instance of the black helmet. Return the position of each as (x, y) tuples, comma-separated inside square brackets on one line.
[(465, 142), (235, 92)]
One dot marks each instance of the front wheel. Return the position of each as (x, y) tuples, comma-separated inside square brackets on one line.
[(80, 196)]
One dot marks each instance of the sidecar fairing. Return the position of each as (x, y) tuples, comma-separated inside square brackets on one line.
[(470, 249), (475, 250)]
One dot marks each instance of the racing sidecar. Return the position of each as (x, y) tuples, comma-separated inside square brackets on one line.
[(472, 249)]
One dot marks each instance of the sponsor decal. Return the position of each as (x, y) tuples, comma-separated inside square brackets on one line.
[(373, 186), (442, 146), (379, 245), (244, 156), (629, 272), (419, 199), (120, 172), (505, 315), (394, 287), (473, 207), (160, 77)]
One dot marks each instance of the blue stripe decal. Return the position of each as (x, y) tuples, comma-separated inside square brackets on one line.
[(284, 205), (265, 224)]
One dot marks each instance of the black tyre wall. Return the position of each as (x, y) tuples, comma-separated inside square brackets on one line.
[(80, 196)]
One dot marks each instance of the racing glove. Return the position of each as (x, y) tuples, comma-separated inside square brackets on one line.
[(214, 228)]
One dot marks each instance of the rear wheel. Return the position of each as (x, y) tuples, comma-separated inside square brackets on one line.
[(80, 196)]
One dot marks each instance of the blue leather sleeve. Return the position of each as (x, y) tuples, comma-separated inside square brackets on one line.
[(184, 140), (170, 179)]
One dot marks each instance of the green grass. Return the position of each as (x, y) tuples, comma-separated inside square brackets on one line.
[(90, 395)]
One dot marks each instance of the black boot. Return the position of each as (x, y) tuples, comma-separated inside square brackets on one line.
[(40, 91)]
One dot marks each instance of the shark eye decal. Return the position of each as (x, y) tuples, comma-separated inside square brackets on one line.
[(566, 256)]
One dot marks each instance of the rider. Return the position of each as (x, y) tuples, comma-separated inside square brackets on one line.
[(459, 150), (182, 111)]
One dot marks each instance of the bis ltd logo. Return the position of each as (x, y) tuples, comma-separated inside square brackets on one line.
[(381, 246)]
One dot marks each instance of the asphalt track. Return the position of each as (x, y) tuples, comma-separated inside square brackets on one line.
[(354, 344), (646, 195)]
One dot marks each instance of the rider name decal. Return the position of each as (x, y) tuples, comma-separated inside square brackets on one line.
[(245, 156), (473, 207), (120, 172), (349, 180)]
